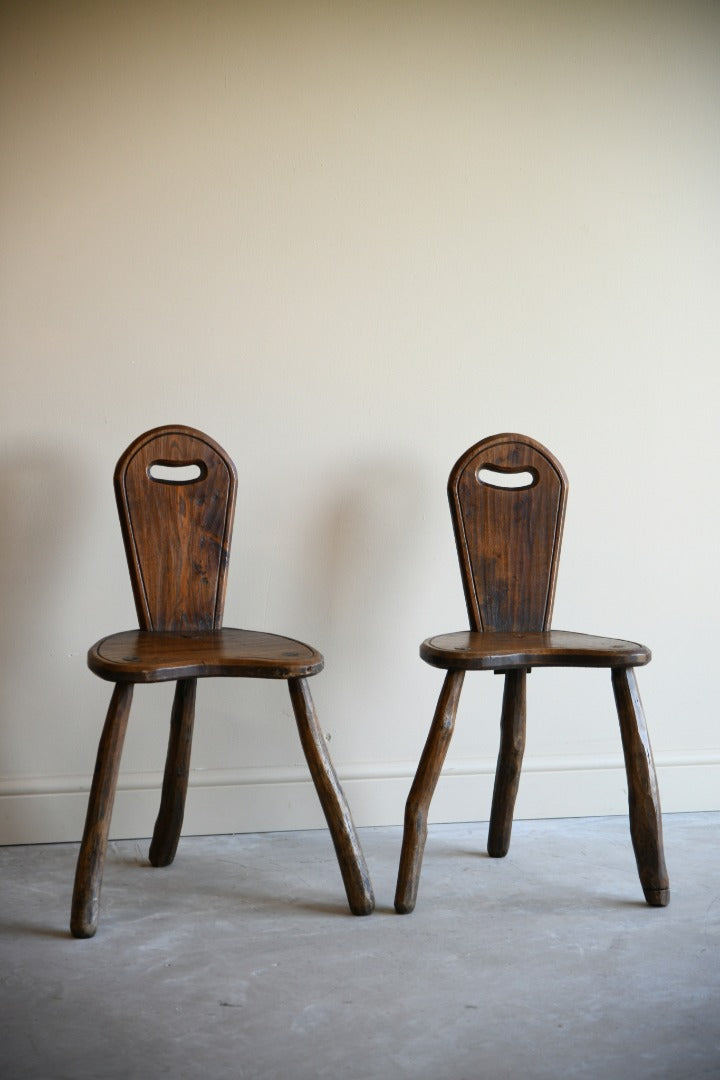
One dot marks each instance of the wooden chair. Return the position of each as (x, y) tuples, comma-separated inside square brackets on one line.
[(175, 490), (507, 499)]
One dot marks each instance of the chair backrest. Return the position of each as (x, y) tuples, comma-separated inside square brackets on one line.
[(508, 537), (175, 490)]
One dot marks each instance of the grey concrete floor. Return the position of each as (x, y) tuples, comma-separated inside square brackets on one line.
[(241, 960)]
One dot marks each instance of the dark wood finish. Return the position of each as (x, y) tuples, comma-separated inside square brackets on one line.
[(91, 859), (177, 535), (142, 656), (643, 793), (507, 775), (332, 799), (422, 790), (508, 542), (177, 531), (473, 651), (166, 834)]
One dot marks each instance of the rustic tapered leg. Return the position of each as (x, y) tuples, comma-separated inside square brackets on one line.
[(643, 794), (91, 860), (332, 799), (177, 771), (421, 792), (507, 775)]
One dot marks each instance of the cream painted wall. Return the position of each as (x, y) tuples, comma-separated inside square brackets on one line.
[(348, 240)]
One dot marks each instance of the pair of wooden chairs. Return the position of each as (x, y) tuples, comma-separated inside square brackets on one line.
[(175, 489)]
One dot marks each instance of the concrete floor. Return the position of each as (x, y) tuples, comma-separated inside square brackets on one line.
[(242, 961)]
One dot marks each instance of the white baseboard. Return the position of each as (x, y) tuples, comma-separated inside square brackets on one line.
[(52, 809)]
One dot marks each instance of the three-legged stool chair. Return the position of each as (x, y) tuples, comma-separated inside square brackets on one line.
[(175, 490), (507, 500)]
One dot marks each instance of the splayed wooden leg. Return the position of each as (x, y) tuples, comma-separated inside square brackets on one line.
[(177, 772), (332, 799), (421, 792), (643, 794), (91, 859), (510, 756)]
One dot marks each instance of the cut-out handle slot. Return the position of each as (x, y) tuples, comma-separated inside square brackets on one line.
[(177, 472), (507, 479)]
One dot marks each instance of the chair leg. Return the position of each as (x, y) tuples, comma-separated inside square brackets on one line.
[(510, 756), (91, 859), (332, 799), (421, 792), (643, 794), (177, 771)]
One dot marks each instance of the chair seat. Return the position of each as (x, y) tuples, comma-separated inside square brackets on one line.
[(491, 651), (148, 656)]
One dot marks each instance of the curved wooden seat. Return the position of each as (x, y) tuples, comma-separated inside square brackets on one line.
[(472, 651), (149, 656), (507, 500), (175, 489)]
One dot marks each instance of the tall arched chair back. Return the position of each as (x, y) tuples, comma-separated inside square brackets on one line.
[(507, 499), (175, 490)]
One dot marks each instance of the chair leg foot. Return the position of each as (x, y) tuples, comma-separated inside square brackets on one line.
[(332, 799), (510, 756), (643, 794), (657, 897), (166, 834), (421, 792), (91, 859)]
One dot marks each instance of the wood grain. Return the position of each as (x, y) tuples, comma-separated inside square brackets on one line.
[(643, 793), (168, 826), (142, 656), (332, 799), (422, 790), (177, 535), (473, 651), (93, 847), (508, 541), (510, 756)]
